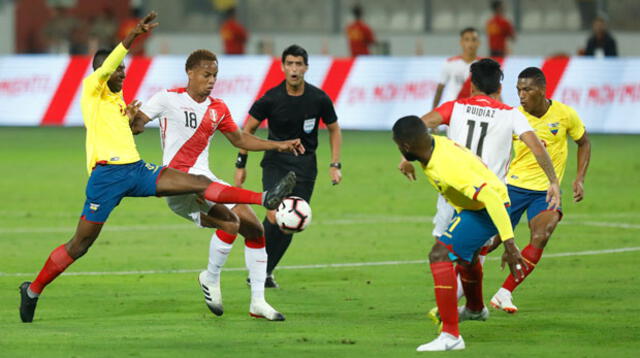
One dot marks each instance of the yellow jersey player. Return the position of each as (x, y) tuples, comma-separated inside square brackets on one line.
[(482, 211), (116, 170), (553, 122)]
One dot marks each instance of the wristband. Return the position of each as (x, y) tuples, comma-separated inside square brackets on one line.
[(337, 165), (241, 162)]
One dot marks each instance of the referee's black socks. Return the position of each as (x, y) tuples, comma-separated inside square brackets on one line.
[(277, 244)]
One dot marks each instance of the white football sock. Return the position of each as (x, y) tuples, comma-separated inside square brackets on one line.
[(256, 260), (218, 253)]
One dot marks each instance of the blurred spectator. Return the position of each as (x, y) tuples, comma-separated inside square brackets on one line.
[(359, 34), (103, 31), (601, 43), (79, 38), (233, 34), (59, 29), (499, 29), (126, 25)]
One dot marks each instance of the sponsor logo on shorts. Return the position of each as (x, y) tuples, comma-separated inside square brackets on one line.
[(94, 207)]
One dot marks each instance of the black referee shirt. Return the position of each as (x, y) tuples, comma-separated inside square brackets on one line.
[(292, 117)]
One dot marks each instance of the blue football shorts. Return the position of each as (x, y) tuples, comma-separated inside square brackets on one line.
[(467, 232), (109, 183), (533, 201)]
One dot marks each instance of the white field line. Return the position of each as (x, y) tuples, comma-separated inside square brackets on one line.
[(354, 220), (316, 266)]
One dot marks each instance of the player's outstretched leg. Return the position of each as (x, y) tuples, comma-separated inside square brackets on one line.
[(175, 182), (542, 226), (59, 259), (444, 279), (255, 256)]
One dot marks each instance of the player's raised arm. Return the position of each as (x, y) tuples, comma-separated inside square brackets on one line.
[(584, 156), (544, 160), (145, 25)]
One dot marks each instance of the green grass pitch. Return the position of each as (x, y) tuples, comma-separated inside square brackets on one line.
[(571, 306)]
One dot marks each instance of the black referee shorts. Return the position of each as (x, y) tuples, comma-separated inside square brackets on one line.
[(271, 175)]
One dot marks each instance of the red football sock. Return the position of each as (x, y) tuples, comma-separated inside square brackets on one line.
[(445, 286), (226, 194), (531, 255), (226, 237), (57, 262), (255, 243), (471, 278)]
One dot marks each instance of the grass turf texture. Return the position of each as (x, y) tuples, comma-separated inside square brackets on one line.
[(579, 306)]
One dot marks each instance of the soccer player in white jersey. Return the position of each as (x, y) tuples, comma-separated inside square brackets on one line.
[(485, 126), (189, 118), (454, 79)]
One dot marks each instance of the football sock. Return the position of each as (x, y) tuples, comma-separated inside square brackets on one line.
[(460, 292), (531, 255), (226, 194), (277, 244), (219, 248), (57, 262), (255, 256), (471, 278), (444, 279)]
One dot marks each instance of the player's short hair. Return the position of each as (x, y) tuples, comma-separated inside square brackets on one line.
[(99, 57), (197, 56), (408, 129), (467, 29), (495, 5), (486, 75), (297, 51), (535, 74)]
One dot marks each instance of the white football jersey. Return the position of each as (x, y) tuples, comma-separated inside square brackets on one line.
[(455, 77), (187, 127), (485, 126)]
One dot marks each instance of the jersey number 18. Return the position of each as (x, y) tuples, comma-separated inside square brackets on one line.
[(190, 119)]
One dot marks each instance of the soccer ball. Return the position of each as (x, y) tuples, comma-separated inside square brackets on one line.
[(293, 215)]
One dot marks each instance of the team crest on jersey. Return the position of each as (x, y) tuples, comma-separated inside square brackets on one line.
[(554, 127), (215, 121), (308, 125)]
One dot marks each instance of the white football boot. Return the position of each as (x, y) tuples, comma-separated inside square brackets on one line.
[(444, 342), (465, 314), (502, 301), (212, 293), (261, 309)]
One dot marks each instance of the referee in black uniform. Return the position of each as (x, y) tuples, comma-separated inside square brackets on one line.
[(293, 109)]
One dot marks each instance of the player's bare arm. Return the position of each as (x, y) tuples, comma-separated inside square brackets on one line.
[(143, 26), (407, 169), (335, 141), (438, 95), (584, 156), (241, 172), (544, 160), (249, 142)]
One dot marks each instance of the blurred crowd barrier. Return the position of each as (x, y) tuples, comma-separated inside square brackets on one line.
[(369, 93)]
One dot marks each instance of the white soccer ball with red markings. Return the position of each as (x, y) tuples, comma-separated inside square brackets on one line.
[(293, 215)]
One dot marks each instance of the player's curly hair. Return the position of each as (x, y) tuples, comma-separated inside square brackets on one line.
[(486, 75), (199, 55)]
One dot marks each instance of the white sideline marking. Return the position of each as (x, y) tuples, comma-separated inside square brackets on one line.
[(355, 220), (316, 266)]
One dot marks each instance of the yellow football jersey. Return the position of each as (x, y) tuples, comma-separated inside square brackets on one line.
[(460, 175), (109, 137), (552, 129)]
